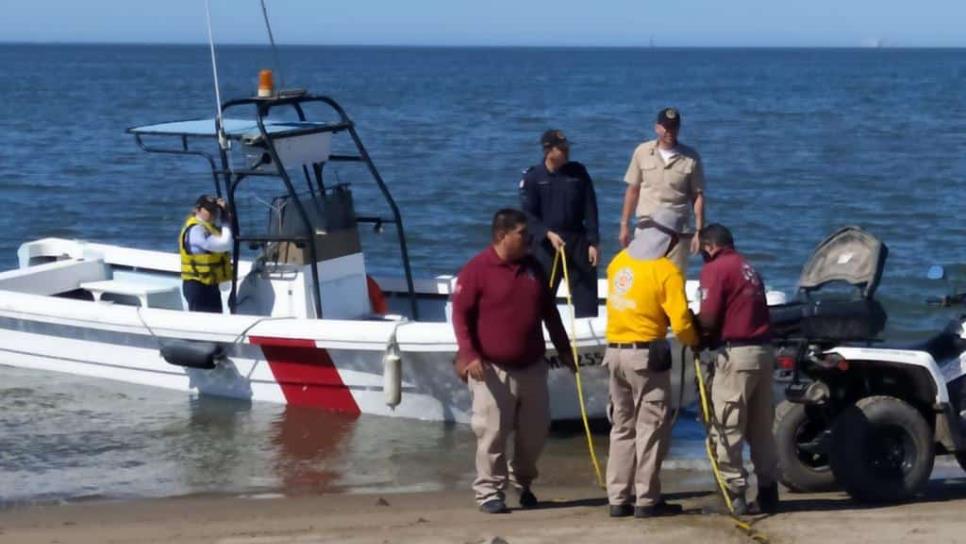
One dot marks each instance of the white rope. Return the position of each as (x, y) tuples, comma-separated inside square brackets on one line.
[(214, 70), (271, 40)]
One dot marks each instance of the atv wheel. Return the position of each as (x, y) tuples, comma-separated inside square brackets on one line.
[(882, 450), (802, 443)]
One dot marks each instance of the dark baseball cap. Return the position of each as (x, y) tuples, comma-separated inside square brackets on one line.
[(207, 202), (554, 138), (669, 117)]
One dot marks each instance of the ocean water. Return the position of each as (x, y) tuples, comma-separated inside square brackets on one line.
[(796, 143)]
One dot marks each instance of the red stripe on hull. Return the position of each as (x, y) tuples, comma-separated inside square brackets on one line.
[(306, 374)]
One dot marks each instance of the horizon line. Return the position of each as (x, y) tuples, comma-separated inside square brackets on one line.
[(475, 46)]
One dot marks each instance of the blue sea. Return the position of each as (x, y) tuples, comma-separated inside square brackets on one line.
[(796, 142)]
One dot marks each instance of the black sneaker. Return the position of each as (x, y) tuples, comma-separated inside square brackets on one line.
[(739, 506), (768, 499), (527, 498), (621, 510), (494, 506), (658, 510)]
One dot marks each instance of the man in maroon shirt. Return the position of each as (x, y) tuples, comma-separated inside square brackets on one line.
[(735, 314), (500, 300)]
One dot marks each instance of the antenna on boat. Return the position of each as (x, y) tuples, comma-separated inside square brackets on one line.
[(271, 40), (222, 141)]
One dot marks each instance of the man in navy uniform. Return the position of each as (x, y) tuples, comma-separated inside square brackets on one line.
[(558, 197)]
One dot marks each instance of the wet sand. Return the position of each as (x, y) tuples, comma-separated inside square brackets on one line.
[(570, 514)]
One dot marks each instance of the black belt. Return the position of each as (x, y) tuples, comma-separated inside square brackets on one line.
[(629, 345), (745, 343), (644, 222)]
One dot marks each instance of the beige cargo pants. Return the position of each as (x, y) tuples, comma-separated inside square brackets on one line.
[(508, 401), (741, 394), (640, 433)]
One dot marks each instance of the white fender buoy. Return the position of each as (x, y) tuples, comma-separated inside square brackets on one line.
[(392, 378)]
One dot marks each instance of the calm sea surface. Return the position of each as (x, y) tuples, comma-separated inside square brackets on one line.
[(796, 142)]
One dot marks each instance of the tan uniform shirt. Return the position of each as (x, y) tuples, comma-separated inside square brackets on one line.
[(672, 185)]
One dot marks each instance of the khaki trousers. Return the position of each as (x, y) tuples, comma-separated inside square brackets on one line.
[(741, 393), (641, 431), (679, 254), (508, 401)]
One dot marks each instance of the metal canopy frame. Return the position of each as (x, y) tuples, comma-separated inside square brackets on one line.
[(227, 180)]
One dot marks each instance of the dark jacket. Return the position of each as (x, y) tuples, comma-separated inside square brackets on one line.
[(563, 201)]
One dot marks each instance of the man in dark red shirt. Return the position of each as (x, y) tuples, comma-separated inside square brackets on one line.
[(500, 300), (734, 312)]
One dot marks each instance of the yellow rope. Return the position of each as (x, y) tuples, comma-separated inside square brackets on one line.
[(561, 257), (722, 486)]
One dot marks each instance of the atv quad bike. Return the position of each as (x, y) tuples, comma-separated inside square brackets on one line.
[(860, 414)]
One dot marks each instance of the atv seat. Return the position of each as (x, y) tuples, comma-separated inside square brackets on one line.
[(835, 320)]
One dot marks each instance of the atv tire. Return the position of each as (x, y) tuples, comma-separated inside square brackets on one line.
[(802, 444), (882, 450)]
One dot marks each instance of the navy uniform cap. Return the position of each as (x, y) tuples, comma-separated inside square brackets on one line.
[(669, 117), (554, 138)]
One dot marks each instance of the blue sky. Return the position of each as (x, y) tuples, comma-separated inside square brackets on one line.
[(925, 23)]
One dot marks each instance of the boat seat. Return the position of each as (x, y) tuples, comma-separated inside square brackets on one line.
[(53, 278), (148, 295)]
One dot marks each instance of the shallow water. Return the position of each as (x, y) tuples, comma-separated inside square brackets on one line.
[(75, 438), (795, 142)]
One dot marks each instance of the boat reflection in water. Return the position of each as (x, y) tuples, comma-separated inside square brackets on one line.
[(230, 446)]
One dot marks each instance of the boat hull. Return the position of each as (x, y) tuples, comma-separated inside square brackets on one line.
[(298, 371), (268, 367), (48, 321)]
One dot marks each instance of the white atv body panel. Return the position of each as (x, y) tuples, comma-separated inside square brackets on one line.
[(919, 359)]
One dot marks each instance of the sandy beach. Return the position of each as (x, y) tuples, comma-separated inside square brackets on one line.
[(569, 514)]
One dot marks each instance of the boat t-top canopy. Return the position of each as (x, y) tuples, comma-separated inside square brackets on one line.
[(235, 129)]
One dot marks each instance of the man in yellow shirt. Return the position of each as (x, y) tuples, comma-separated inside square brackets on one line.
[(645, 294)]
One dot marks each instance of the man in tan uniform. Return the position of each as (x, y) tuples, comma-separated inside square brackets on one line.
[(735, 313), (645, 294), (665, 174)]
